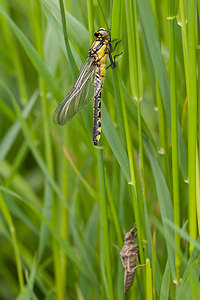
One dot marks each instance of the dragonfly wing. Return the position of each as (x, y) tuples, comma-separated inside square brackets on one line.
[(80, 95)]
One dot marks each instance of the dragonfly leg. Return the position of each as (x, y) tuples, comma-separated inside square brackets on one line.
[(112, 61), (113, 49)]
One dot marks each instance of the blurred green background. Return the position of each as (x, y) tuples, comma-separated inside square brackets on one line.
[(66, 205)]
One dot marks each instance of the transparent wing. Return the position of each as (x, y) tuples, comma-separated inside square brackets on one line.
[(81, 93)]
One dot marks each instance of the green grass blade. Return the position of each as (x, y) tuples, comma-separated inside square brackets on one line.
[(74, 69), (11, 226), (164, 202), (104, 226), (165, 287), (192, 119), (174, 137), (149, 292), (114, 142)]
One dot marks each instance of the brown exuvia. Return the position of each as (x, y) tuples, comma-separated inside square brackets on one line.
[(128, 256)]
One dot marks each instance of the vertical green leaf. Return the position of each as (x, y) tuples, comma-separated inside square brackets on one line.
[(192, 119)]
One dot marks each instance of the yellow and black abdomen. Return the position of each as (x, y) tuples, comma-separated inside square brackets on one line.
[(99, 51), (99, 77)]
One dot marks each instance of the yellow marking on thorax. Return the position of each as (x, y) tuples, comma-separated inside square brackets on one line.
[(99, 55), (102, 59)]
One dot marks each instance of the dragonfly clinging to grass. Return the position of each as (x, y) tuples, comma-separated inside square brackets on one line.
[(89, 81)]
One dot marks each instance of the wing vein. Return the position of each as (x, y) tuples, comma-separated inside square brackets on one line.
[(80, 94)]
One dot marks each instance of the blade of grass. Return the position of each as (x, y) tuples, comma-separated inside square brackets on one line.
[(192, 120), (137, 93), (149, 292), (90, 20), (72, 63), (198, 116), (164, 199), (47, 213), (174, 139), (89, 236), (11, 226), (198, 190), (135, 184), (114, 142), (162, 125), (184, 39), (89, 188), (165, 287), (106, 258), (114, 213), (154, 271), (116, 23)]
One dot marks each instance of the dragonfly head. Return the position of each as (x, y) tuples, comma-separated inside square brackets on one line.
[(102, 34)]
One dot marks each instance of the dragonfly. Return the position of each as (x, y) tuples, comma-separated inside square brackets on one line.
[(89, 83)]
